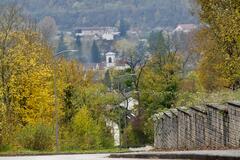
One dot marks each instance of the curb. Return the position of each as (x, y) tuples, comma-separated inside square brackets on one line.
[(175, 155)]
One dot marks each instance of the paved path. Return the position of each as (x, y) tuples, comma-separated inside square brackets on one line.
[(211, 155), (67, 157)]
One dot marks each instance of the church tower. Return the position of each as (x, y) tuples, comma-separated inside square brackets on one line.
[(110, 59)]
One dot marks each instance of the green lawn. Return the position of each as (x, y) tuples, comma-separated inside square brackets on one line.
[(29, 152)]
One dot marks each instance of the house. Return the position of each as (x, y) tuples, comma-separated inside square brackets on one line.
[(104, 32), (114, 130), (129, 103), (108, 36), (185, 28), (94, 66), (129, 106)]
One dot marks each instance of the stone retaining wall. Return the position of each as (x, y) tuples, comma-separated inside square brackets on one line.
[(211, 126)]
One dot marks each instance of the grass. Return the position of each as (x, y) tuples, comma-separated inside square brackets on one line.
[(201, 98), (112, 150), (23, 152)]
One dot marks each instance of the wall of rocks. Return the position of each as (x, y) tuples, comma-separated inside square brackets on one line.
[(203, 127)]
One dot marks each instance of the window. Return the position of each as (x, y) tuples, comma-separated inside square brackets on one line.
[(110, 60)]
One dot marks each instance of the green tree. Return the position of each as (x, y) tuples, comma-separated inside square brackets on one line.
[(159, 88), (78, 46), (107, 79), (36, 137), (123, 27), (95, 53), (69, 108), (157, 43), (61, 44), (88, 133), (160, 83)]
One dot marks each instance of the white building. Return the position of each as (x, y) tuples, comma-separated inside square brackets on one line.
[(108, 36), (115, 131), (113, 62), (129, 104), (106, 33), (110, 59), (185, 28)]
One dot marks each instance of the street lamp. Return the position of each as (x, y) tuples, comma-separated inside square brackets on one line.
[(55, 95)]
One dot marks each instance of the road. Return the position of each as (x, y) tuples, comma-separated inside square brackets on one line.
[(66, 157), (197, 154)]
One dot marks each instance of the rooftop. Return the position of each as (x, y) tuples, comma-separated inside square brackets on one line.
[(185, 27)]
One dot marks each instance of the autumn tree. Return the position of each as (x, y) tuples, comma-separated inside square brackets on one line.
[(221, 54), (48, 29), (10, 19), (28, 111), (80, 94), (26, 88), (184, 44), (123, 46)]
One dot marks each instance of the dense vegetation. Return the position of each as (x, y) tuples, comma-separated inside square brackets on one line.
[(70, 14), (38, 90)]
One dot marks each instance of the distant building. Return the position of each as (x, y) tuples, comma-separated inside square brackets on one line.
[(96, 37), (114, 62), (185, 28), (108, 36), (94, 66), (106, 33), (129, 103), (111, 62), (114, 130), (110, 59)]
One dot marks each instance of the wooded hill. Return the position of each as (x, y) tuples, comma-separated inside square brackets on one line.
[(139, 13)]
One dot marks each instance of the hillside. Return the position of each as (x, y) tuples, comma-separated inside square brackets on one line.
[(144, 14)]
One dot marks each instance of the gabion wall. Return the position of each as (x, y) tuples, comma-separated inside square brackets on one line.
[(204, 127)]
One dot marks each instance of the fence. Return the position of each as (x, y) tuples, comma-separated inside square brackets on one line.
[(204, 127)]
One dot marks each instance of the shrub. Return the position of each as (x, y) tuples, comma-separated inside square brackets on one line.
[(89, 133), (36, 137), (136, 134), (104, 135), (4, 148)]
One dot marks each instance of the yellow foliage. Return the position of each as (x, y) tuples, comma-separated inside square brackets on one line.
[(29, 77), (219, 44)]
